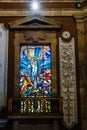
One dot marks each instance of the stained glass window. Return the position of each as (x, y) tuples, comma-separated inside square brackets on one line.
[(35, 71)]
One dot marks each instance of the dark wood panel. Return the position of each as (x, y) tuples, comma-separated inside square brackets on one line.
[(10, 65), (27, 5), (84, 4)]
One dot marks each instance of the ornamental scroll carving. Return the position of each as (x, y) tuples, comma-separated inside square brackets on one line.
[(35, 35), (68, 81)]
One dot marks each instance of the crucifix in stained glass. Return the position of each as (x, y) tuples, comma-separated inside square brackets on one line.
[(35, 71)]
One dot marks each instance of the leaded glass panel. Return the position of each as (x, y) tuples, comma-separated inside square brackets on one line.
[(35, 71)]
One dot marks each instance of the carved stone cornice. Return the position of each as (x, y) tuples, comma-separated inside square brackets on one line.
[(53, 12), (81, 16), (48, 8), (35, 22)]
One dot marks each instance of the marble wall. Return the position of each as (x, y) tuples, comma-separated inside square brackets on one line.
[(3, 64)]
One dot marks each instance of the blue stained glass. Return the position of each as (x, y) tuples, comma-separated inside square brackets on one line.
[(37, 53), (35, 71)]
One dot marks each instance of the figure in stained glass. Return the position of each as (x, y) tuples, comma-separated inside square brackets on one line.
[(35, 71)]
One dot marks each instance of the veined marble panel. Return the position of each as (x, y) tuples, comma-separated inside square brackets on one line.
[(3, 64)]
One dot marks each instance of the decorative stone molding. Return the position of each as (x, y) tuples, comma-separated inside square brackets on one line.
[(35, 36), (35, 22), (53, 12), (68, 81)]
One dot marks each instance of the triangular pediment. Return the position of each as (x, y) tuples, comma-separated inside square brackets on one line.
[(35, 22)]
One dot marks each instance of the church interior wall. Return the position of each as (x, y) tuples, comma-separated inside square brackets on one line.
[(72, 22)]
